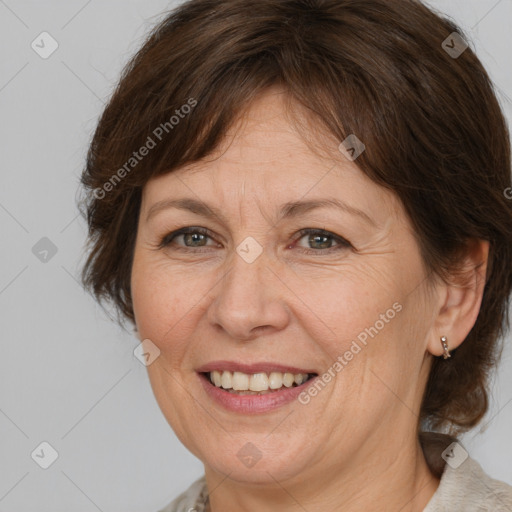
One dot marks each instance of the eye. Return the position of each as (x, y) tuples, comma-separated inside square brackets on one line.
[(192, 237), (320, 240)]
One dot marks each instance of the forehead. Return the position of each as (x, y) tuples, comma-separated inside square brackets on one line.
[(263, 156)]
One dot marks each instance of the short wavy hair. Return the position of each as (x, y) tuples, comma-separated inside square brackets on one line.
[(390, 71)]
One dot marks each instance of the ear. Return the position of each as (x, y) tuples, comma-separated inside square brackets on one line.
[(460, 299)]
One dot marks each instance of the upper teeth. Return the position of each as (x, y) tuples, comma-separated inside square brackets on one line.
[(257, 381)]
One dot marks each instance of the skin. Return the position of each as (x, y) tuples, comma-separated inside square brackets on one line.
[(354, 446)]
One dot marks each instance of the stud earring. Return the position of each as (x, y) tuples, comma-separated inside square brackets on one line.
[(444, 341)]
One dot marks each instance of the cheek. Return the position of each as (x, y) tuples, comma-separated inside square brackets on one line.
[(371, 317), (162, 300), (349, 301)]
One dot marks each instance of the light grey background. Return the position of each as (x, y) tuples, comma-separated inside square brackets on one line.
[(68, 375)]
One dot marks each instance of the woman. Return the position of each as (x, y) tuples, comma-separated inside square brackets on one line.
[(299, 204)]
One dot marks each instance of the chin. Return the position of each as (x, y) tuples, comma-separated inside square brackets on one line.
[(258, 462)]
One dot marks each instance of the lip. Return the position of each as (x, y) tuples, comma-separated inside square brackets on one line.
[(261, 367), (253, 404)]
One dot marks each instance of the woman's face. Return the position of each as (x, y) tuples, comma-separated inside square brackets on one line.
[(351, 301)]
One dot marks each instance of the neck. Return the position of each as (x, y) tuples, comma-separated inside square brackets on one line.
[(372, 483)]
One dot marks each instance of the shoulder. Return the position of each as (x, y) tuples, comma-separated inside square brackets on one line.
[(468, 488), (191, 500)]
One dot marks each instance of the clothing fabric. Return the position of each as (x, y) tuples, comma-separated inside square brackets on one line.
[(469, 489), (466, 488)]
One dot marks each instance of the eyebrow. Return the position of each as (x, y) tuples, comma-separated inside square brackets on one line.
[(288, 210)]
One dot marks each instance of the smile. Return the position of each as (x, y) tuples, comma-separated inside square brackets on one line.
[(253, 389)]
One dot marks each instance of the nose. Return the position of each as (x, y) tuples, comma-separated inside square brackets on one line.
[(249, 300)]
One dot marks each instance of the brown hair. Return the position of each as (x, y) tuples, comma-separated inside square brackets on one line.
[(433, 129)]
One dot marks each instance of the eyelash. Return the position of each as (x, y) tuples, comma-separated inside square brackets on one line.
[(342, 243)]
